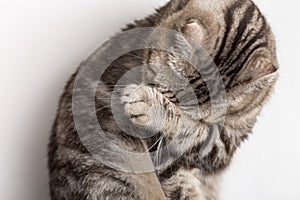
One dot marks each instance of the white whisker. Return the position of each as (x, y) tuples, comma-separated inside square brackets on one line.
[(155, 143), (103, 107)]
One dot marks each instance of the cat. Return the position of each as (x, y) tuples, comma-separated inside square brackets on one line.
[(240, 42)]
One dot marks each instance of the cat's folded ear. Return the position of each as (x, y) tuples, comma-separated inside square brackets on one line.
[(258, 68), (193, 30)]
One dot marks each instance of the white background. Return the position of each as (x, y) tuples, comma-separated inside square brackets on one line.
[(42, 43)]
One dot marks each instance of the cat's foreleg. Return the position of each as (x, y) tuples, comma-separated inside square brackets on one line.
[(151, 110)]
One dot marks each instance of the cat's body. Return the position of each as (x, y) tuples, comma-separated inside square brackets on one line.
[(236, 36)]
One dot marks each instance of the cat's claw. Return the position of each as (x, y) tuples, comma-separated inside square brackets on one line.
[(143, 107), (127, 92)]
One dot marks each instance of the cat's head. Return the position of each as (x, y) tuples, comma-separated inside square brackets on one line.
[(236, 37)]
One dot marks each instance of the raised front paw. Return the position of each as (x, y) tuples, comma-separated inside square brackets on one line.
[(144, 106)]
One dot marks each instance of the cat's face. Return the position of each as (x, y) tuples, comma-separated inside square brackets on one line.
[(193, 29), (233, 34)]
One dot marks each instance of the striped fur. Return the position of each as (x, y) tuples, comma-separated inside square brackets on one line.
[(237, 37)]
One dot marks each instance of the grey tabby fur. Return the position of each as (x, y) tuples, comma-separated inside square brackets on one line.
[(239, 40)]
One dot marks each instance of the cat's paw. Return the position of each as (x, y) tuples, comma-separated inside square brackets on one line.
[(127, 92), (144, 106)]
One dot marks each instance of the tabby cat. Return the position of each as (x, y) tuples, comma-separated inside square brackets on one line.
[(238, 39)]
